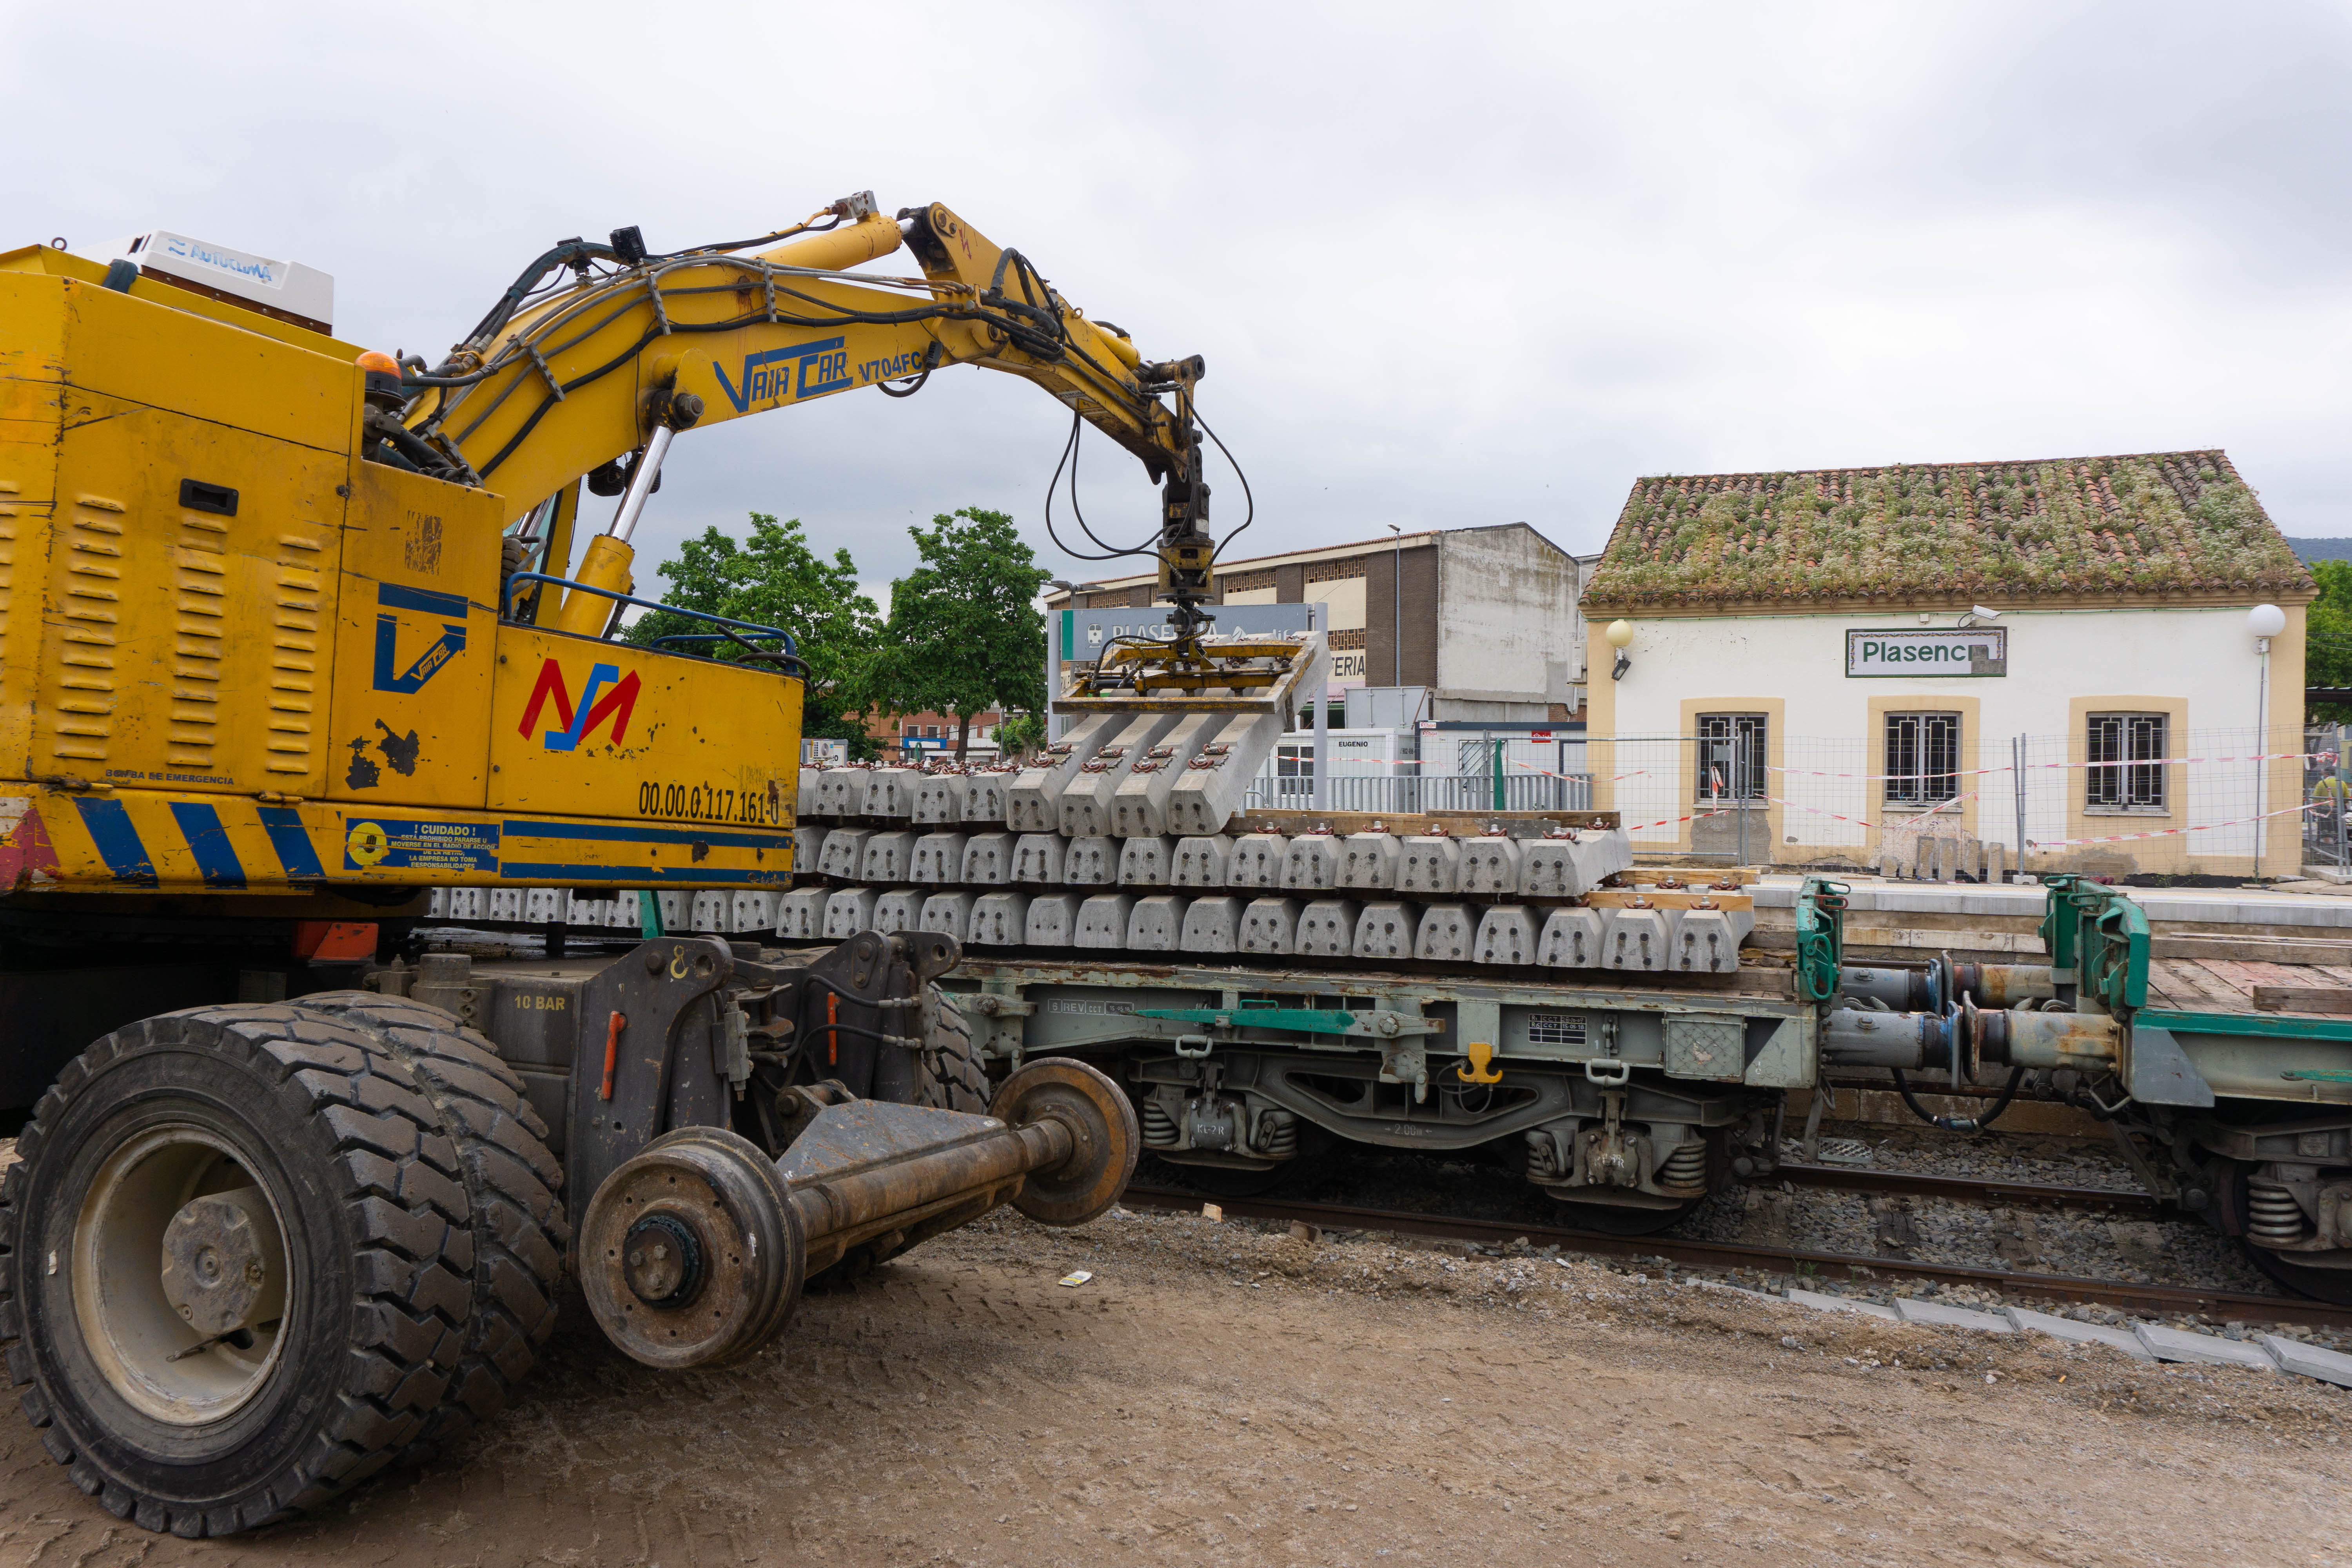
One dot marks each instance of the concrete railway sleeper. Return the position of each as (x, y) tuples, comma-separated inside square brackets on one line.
[(252, 1254)]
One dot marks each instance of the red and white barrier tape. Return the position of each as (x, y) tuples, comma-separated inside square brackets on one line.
[(2170, 832), (1863, 822), (1678, 821), (2328, 757), (2030, 844)]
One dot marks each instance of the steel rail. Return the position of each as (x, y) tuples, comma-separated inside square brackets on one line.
[(2214, 1305), (1964, 1189)]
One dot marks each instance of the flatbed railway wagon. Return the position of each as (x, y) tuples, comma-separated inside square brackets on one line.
[(1630, 1096)]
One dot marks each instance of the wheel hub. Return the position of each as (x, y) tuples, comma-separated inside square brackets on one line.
[(690, 1254), (216, 1262), (180, 1277), (662, 1261)]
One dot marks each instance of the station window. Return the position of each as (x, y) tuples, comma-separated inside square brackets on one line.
[(1923, 758), (1730, 756), (2125, 772)]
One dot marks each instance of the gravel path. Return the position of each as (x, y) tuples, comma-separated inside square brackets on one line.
[(1222, 1393)]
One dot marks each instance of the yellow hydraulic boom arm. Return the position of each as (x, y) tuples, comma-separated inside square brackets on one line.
[(562, 381)]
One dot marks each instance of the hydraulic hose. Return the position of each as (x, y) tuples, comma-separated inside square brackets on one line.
[(1959, 1123)]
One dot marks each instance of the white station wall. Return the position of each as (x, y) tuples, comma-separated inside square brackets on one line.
[(2203, 658)]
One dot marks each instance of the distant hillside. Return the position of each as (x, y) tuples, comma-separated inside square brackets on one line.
[(2321, 549)]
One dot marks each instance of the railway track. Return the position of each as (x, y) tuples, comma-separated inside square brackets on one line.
[(1969, 1190), (2214, 1306)]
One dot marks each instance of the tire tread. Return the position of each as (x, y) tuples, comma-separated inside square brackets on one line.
[(951, 1077), (405, 1327), (511, 1182)]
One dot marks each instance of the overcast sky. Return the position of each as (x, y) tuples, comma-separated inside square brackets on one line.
[(1449, 266)]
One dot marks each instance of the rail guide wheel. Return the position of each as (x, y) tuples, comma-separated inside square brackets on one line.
[(691, 1253), (1105, 1139)]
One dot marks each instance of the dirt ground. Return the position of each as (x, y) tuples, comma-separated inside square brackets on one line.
[(1228, 1395)]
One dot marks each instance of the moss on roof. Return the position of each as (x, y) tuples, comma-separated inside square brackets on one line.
[(2163, 523)]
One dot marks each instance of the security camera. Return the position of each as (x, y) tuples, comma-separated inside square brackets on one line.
[(1980, 611)]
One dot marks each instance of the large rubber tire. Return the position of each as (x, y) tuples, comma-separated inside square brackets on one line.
[(338, 1136), (511, 1185), (951, 1077)]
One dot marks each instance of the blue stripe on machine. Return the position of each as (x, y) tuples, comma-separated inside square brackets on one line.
[(780, 839), (401, 598), (556, 871), (293, 846), (117, 842), (200, 825)]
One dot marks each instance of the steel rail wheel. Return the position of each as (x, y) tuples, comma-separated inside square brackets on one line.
[(2333, 1286), (233, 1266), (1621, 1219), (1101, 1124)]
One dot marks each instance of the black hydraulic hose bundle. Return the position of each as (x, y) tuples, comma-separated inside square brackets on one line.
[(1960, 1123)]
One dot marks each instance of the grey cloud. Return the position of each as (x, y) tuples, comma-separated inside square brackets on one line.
[(1448, 268)]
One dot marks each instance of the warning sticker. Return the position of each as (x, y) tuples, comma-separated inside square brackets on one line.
[(373, 841)]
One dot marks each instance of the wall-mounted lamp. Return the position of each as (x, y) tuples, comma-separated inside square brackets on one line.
[(2265, 621), (1619, 635)]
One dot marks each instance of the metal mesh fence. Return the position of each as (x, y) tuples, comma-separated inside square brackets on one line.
[(2129, 793)]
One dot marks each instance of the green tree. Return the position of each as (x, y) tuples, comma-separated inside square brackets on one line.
[(2327, 637), (964, 635), (1021, 734), (775, 579)]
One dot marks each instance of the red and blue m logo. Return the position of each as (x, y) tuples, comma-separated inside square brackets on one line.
[(610, 695)]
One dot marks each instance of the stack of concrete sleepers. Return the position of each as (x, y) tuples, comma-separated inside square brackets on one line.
[(1096, 854)]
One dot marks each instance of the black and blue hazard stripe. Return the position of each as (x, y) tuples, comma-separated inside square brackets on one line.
[(128, 861)]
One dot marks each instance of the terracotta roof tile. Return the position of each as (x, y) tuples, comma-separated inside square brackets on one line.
[(2162, 523)]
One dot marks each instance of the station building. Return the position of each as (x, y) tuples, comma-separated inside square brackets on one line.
[(2066, 654)]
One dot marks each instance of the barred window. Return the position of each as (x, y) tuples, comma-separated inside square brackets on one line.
[(1730, 756), (1923, 758), (2125, 772)]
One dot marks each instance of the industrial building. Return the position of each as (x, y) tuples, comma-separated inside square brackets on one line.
[(1482, 621)]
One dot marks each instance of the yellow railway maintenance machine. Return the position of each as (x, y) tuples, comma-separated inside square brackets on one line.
[(291, 632)]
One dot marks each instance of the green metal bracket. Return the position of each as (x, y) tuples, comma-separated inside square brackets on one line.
[(1821, 938), (2058, 921), (1300, 1020), (2101, 934)]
